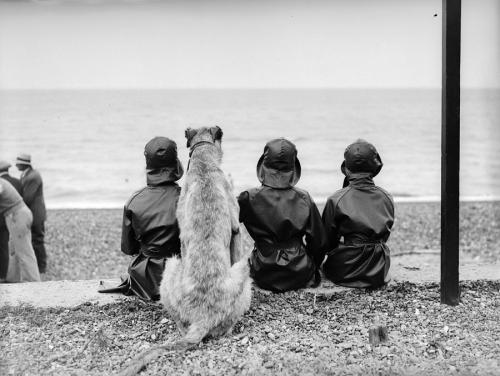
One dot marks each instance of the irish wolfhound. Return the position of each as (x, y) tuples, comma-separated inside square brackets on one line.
[(208, 289)]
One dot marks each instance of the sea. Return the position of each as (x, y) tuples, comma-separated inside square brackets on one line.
[(88, 144)]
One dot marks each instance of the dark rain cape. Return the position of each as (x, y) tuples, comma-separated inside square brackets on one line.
[(362, 214), (283, 221), (289, 237), (151, 234)]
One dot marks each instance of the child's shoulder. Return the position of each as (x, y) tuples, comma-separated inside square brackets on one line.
[(386, 193), (338, 195), (134, 196), (249, 194), (302, 193), (251, 191)]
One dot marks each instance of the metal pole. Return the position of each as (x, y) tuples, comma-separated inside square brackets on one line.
[(450, 152)]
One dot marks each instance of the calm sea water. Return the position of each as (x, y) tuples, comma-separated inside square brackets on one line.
[(88, 145)]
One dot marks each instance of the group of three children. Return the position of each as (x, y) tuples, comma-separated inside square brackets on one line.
[(293, 242)]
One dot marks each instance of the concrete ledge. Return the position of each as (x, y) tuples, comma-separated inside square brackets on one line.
[(423, 266), (417, 267), (57, 293)]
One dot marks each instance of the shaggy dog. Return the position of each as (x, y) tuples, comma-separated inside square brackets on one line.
[(208, 289)]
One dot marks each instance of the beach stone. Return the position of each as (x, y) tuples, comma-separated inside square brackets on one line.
[(377, 334), (269, 364)]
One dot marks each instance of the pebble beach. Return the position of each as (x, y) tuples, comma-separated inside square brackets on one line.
[(85, 243), (295, 333)]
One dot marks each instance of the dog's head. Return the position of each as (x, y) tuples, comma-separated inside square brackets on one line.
[(204, 134)]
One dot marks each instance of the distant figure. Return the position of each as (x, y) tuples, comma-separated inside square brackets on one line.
[(284, 222), (4, 233), (362, 214), (32, 184), (150, 231), (22, 261)]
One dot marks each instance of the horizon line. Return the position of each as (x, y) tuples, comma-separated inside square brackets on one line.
[(116, 88)]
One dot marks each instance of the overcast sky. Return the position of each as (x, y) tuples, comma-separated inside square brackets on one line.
[(236, 43)]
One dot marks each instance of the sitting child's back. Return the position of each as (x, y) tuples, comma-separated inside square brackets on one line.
[(362, 215)]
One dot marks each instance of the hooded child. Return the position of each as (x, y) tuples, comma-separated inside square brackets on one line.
[(150, 232), (284, 223), (358, 219)]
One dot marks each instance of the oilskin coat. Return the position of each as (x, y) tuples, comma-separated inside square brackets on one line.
[(150, 233), (289, 239), (284, 222), (358, 220)]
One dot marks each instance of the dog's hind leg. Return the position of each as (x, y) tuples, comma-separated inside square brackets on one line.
[(195, 334), (239, 279), (169, 291), (181, 326), (225, 328)]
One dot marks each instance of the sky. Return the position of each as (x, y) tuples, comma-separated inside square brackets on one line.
[(76, 44)]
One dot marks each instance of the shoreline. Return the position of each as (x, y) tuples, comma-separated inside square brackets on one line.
[(319, 202)]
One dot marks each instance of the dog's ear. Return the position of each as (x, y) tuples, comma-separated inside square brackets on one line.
[(216, 133), (189, 133)]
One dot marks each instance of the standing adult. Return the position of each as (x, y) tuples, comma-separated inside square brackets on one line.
[(150, 232), (4, 232), (22, 262), (32, 185)]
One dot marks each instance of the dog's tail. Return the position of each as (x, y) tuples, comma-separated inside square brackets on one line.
[(239, 275), (193, 337)]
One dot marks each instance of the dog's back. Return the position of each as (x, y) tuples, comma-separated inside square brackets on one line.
[(202, 291)]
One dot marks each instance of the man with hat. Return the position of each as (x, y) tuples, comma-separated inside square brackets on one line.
[(284, 222), (32, 185), (150, 232), (4, 232), (362, 214)]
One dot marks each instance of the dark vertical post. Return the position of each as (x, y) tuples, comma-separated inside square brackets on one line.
[(450, 152)]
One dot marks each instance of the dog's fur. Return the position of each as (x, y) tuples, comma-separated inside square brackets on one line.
[(208, 289)]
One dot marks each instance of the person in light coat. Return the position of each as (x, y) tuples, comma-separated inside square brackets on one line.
[(22, 261), (4, 232)]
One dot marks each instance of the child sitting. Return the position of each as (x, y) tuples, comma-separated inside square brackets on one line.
[(362, 214), (283, 221), (150, 232)]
